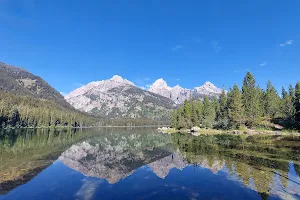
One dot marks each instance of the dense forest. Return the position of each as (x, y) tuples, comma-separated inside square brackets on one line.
[(249, 107), (25, 111)]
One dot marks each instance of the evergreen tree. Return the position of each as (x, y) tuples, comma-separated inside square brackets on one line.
[(195, 117), (181, 120), (292, 92), (187, 113), (235, 106), (174, 119), (272, 101), (216, 105), (261, 98), (284, 93), (251, 100), (209, 113), (297, 104), (223, 106), (287, 106), (222, 114), (200, 111)]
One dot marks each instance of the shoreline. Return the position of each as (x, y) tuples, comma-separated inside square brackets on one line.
[(200, 131), (71, 127)]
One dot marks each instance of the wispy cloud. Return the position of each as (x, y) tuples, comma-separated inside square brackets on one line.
[(263, 64), (288, 42), (147, 79), (177, 47), (216, 46), (177, 79)]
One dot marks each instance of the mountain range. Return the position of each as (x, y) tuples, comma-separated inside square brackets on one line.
[(179, 94), (115, 98), (114, 157), (119, 97)]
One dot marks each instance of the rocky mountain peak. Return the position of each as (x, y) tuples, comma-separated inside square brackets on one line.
[(161, 83), (179, 94), (208, 89), (119, 79), (177, 87), (209, 84)]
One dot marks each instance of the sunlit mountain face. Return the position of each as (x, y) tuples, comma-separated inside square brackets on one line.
[(131, 163)]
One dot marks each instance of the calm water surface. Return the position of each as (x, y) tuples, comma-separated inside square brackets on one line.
[(140, 163)]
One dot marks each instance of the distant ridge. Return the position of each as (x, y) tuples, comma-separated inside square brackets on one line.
[(179, 94), (19, 81)]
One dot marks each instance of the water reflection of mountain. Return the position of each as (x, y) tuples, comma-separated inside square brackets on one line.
[(262, 164), (266, 164), (114, 157)]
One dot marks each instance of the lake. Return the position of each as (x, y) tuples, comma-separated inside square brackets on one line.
[(139, 163)]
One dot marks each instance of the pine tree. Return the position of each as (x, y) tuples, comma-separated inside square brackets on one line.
[(287, 106), (222, 114), (272, 101), (195, 117), (261, 96), (251, 100), (223, 106), (235, 106), (174, 119), (216, 105), (284, 93), (209, 113), (187, 110), (200, 111), (297, 104)]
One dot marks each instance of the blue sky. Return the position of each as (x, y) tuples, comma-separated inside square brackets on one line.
[(184, 42)]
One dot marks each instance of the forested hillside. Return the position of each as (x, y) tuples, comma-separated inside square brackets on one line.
[(21, 82), (26, 111), (251, 107), (27, 100)]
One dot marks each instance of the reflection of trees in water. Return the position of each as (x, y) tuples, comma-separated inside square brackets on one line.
[(259, 158), (26, 152)]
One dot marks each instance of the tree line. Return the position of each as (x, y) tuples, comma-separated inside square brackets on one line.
[(25, 111), (249, 106)]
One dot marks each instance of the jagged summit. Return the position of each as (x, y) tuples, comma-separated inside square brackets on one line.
[(159, 83), (177, 87), (208, 89), (120, 79), (207, 83), (179, 94), (117, 78)]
